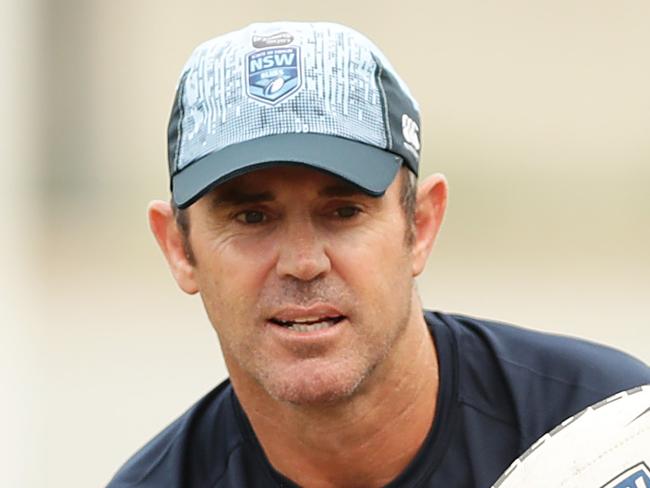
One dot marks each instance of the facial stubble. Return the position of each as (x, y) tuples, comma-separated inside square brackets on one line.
[(316, 375)]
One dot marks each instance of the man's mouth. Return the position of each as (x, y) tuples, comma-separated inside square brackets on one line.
[(308, 324)]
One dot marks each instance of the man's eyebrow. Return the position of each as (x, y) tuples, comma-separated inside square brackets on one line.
[(235, 197)]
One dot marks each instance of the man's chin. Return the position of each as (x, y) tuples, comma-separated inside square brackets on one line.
[(313, 386)]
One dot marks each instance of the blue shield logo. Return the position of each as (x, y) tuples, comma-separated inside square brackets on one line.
[(636, 477), (274, 74)]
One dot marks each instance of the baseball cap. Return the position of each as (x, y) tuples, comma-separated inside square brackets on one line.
[(316, 94)]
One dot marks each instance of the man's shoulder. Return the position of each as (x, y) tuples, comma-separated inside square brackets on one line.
[(534, 380), (569, 360), (199, 441)]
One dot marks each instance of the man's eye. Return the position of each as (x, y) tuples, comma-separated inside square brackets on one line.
[(347, 212), (251, 217)]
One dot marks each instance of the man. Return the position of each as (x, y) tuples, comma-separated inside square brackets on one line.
[(293, 152)]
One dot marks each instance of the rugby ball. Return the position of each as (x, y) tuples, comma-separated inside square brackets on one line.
[(607, 445), (274, 86)]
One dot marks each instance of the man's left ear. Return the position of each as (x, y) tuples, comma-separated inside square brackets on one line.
[(429, 212)]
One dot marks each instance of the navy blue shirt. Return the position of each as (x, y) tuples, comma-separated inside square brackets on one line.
[(501, 388)]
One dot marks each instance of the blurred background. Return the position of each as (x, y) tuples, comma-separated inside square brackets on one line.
[(537, 112)]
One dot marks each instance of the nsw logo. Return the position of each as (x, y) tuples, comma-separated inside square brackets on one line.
[(274, 74), (635, 477)]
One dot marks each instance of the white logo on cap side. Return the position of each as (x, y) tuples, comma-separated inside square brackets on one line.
[(410, 131)]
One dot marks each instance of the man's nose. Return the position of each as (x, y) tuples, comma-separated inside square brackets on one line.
[(302, 253)]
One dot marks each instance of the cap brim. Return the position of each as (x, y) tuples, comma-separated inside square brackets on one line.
[(368, 167)]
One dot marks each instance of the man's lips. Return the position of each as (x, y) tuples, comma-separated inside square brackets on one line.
[(307, 319)]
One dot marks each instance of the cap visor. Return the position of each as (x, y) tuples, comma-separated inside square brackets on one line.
[(368, 167)]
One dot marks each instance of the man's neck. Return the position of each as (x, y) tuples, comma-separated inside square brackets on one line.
[(366, 441)]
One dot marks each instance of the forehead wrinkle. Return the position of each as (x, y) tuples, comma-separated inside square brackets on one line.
[(232, 194)]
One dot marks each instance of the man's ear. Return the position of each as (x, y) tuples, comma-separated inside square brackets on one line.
[(429, 213), (169, 237)]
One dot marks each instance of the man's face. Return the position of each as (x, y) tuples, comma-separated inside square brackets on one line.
[(307, 281)]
